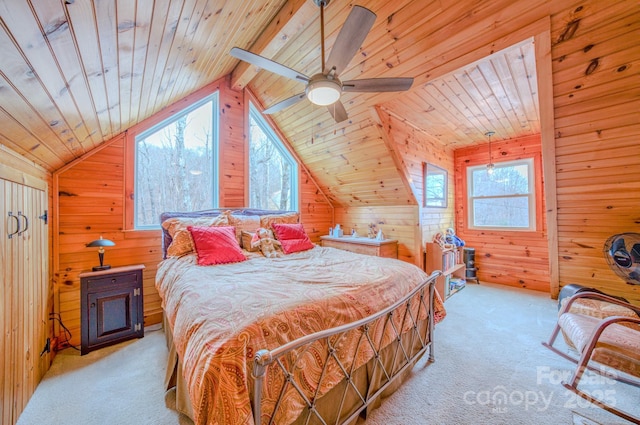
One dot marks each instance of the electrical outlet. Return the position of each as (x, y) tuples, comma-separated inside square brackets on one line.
[(47, 347)]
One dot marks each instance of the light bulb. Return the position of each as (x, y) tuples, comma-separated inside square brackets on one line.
[(490, 168)]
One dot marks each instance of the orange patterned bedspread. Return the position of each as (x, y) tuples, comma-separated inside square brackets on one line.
[(221, 315)]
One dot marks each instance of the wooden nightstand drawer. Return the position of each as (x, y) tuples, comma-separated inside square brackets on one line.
[(114, 279), (385, 248), (360, 249)]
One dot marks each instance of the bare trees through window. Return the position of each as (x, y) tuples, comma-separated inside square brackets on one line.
[(504, 199), (272, 170), (175, 163)]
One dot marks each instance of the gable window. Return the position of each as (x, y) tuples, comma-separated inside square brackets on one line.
[(503, 200), (176, 164), (273, 172)]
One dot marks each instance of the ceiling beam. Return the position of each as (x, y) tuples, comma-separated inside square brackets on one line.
[(293, 17)]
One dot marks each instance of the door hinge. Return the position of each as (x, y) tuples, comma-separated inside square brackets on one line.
[(136, 292), (137, 327), (44, 217)]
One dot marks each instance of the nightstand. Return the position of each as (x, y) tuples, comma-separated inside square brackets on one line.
[(112, 307), (384, 248)]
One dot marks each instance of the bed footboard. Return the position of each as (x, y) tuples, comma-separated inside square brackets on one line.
[(401, 334)]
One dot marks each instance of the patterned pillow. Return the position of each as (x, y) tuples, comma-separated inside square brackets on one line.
[(246, 241), (242, 223), (286, 218), (292, 237), (216, 245), (181, 239)]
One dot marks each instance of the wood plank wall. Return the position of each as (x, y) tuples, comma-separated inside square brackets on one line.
[(596, 89), (91, 204), (25, 294), (415, 148), (512, 258), (399, 222), (94, 190)]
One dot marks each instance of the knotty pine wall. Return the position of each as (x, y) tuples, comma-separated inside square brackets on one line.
[(94, 192), (513, 258), (90, 203), (415, 148), (401, 223), (412, 225), (596, 97), (591, 154)]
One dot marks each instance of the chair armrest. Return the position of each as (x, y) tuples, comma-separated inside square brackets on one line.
[(617, 319), (604, 323), (598, 296)]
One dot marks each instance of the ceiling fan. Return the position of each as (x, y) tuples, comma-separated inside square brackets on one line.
[(325, 87)]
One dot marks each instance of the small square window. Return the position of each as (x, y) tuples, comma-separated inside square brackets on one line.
[(504, 199)]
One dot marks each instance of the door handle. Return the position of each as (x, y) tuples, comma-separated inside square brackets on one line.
[(26, 223), (17, 225)]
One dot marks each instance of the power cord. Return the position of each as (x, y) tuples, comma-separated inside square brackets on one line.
[(67, 334)]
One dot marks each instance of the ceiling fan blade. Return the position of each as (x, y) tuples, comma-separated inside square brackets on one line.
[(284, 104), (350, 39), (337, 111), (377, 84), (267, 64)]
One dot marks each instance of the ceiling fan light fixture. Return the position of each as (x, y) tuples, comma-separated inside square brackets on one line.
[(323, 91), (325, 88)]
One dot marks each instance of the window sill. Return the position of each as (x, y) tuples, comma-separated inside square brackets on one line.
[(142, 234), (505, 232)]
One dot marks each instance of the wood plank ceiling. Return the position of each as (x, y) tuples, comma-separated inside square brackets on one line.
[(75, 73)]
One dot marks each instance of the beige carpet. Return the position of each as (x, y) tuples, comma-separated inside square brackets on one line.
[(490, 369)]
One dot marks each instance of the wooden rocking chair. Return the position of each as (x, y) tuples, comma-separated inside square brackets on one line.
[(613, 342)]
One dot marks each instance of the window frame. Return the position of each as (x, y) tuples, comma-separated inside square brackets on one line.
[(214, 98), (255, 114), (531, 196)]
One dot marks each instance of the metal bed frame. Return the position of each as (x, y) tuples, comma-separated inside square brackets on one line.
[(288, 357)]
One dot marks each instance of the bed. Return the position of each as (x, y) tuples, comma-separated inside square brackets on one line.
[(318, 335)]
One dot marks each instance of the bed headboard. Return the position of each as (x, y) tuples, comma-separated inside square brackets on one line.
[(166, 237)]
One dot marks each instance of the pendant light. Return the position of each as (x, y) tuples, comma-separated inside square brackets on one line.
[(490, 165)]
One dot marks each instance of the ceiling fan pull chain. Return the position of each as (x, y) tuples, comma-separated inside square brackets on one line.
[(313, 128), (334, 114)]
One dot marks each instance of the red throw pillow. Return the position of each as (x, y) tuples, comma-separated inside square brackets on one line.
[(292, 237), (216, 245)]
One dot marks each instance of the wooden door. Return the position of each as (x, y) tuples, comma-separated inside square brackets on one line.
[(7, 226), (32, 293), (23, 298)]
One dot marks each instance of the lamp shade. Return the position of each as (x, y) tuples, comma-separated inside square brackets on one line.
[(101, 243)]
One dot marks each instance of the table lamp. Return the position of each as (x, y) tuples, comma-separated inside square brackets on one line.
[(101, 243)]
